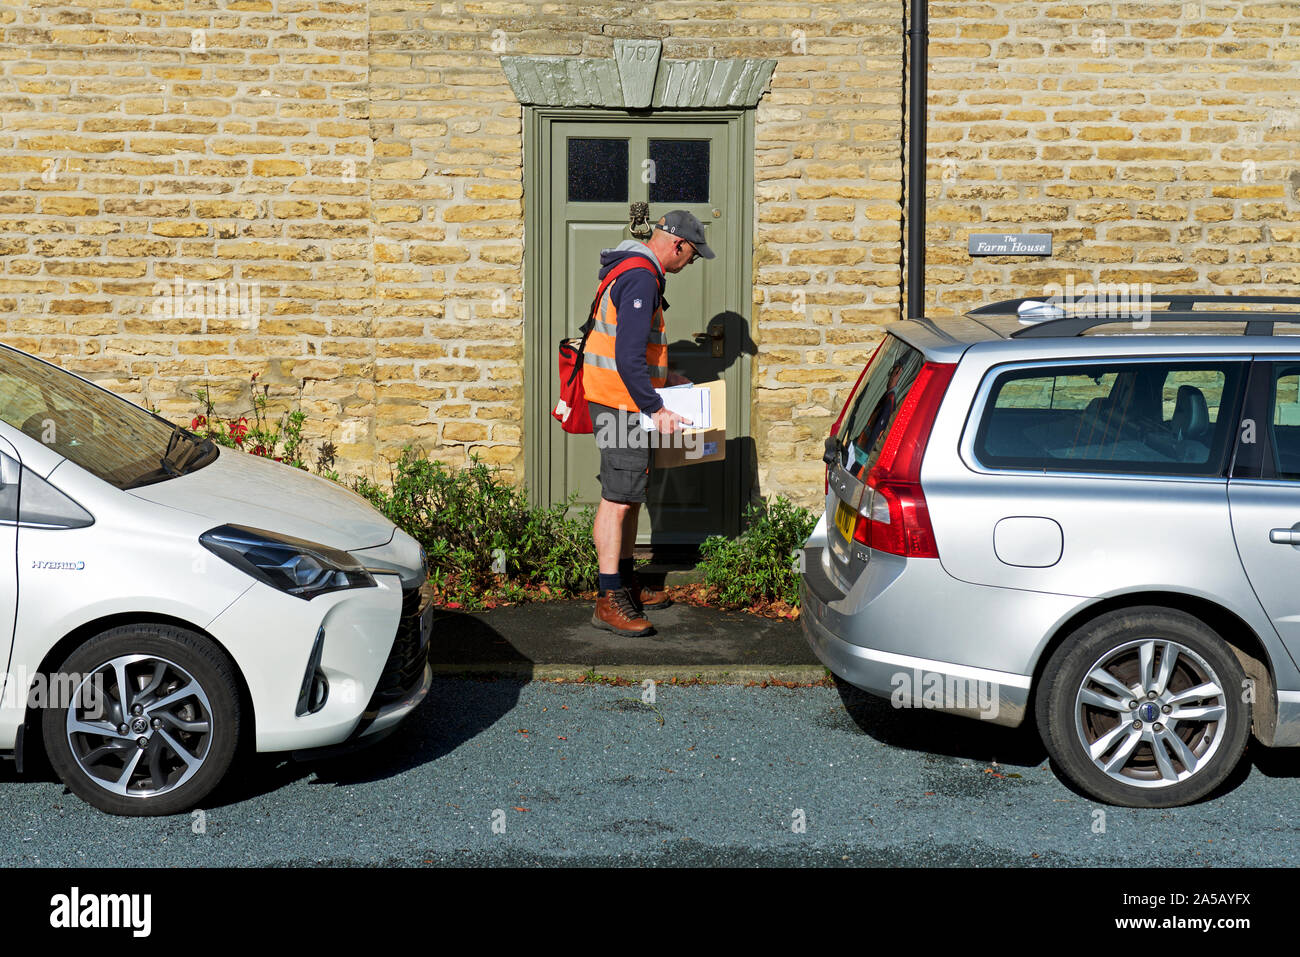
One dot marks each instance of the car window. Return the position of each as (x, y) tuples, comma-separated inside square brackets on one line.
[(108, 436), (1161, 418), (875, 404), (1286, 421)]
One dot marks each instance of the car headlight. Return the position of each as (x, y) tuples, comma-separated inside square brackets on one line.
[(300, 568)]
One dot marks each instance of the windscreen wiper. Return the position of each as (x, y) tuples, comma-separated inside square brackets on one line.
[(165, 461)]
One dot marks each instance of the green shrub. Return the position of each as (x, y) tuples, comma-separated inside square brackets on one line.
[(484, 539), (760, 565)]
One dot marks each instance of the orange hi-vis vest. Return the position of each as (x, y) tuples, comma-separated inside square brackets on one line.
[(600, 379)]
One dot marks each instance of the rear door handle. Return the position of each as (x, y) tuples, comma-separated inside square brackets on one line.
[(1284, 536)]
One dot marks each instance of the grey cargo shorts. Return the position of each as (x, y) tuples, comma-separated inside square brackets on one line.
[(626, 452)]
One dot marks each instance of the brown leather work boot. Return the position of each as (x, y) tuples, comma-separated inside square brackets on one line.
[(647, 599), (616, 612)]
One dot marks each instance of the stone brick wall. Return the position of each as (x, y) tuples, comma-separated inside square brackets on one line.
[(828, 237), (1156, 140), (358, 165), (226, 148), (449, 216)]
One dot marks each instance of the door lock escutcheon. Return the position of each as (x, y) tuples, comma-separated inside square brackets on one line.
[(717, 335)]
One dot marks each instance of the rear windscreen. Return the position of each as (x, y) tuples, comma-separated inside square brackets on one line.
[(875, 404)]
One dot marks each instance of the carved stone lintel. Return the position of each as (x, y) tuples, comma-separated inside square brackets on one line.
[(636, 78), (638, 62)]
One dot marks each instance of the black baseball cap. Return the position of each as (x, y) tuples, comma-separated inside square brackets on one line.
[(685, 226)]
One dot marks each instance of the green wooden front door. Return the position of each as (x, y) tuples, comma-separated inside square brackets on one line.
[(593, 168)]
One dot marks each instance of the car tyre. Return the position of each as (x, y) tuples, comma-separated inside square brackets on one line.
[(1144, 707), (161, 747)]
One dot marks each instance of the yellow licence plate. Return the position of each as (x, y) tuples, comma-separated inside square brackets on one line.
[(846, 519)]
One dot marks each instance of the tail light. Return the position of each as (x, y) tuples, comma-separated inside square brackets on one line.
[(896, 518), (835, 429)]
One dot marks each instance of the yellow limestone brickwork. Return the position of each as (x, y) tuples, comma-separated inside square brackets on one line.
[(329, 195), (449, 205), (184, 201), (1158, 141), (338, 188)]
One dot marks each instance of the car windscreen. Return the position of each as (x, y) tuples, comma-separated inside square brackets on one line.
[(875, 404), (106, 435)]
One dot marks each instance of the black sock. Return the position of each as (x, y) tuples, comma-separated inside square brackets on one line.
[(610, 583), (626, 568)]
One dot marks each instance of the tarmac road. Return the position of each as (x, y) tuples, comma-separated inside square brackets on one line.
[(587, 774)]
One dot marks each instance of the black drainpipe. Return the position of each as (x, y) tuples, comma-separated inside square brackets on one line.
[(919, 35)]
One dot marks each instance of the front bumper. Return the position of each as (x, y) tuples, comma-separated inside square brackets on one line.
[(375, 725), (375, 660), (401, 686), (407, 674)]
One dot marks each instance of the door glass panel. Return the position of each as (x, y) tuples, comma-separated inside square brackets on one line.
[(680, 171), (1286, 423), (597, 171)]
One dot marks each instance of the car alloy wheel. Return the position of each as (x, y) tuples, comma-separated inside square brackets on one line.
[(153, 724), (1151, 713), (1144, 707), (155, 728)]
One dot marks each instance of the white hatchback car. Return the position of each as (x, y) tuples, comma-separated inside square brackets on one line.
[(163, 599)]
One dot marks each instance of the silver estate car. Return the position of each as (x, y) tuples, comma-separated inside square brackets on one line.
[(1086, 521)]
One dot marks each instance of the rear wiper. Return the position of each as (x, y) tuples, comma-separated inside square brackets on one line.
[(834, 453)]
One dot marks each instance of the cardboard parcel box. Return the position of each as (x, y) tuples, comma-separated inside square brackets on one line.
[(694, 445)]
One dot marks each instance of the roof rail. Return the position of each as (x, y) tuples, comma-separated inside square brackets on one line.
[(1179, 307)]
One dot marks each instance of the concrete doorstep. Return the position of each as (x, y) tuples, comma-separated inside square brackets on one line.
[(553, 640)]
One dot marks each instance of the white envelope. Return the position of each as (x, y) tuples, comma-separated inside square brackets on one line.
[(689, 401)]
